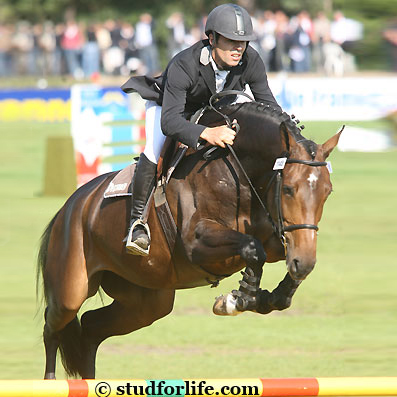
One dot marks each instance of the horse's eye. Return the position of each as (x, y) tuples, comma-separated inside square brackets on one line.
[(288, 190)]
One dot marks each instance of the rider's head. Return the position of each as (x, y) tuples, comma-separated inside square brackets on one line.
[(229, 29)]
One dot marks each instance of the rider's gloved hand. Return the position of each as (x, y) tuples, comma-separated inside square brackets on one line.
[(219, 136)]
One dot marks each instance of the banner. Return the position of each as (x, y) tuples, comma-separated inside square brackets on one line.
[(50, 105), (93, 107), (347, 98)]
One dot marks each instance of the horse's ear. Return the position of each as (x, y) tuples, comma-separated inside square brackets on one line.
[(287, 138), (329, 146)]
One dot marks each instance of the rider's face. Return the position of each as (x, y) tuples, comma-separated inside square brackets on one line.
[(227, 53)]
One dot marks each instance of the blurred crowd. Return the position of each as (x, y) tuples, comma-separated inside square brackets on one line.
[(296, 44)]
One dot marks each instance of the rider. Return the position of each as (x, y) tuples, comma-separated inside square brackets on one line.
[(224, 61)]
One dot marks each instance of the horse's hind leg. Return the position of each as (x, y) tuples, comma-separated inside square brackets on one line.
[(133, 308), (66, 289), (51, 344)]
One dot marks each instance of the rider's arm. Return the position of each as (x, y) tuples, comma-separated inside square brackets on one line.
[(173, 122)]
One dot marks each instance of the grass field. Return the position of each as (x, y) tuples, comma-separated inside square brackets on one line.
[(343, 320)]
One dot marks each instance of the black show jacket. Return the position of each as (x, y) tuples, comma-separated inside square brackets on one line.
[(188, 83)]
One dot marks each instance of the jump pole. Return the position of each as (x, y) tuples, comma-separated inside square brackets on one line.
[(330, 386)]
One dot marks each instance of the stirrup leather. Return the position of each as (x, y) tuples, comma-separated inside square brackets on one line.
[(132, 247)]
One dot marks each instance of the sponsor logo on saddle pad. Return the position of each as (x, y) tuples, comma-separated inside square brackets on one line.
[(112, 188), (120, 184)]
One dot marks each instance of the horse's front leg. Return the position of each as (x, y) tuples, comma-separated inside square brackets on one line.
[(214, 242), (280, 298)]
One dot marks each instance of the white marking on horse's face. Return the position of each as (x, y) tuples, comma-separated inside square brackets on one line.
[(312, 180)]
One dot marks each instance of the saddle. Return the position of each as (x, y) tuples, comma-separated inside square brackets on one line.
[(120, 185)]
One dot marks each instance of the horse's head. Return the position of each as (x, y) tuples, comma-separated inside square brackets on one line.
[(305, 186)]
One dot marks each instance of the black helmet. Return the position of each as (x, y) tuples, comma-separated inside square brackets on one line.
[(231, 21)]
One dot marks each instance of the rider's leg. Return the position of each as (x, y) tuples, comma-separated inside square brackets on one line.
[(138, 240)]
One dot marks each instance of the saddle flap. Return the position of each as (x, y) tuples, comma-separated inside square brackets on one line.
[(120, 185)]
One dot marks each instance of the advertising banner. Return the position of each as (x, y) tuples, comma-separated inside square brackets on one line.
[(93, 108), (50, 105), (347, 98)]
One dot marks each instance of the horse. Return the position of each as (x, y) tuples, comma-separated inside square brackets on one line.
[(232, 211)]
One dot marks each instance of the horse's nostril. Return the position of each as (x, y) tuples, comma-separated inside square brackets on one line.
[(299, 269), (295, 266)]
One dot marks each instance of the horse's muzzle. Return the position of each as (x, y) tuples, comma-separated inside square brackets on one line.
[(300, 268)]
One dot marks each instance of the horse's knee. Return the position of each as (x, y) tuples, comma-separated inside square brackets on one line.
[(252, 252)]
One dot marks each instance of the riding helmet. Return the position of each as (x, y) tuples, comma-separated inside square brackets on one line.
[(231, 21)]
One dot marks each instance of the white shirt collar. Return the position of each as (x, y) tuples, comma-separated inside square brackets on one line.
[(220, 75)]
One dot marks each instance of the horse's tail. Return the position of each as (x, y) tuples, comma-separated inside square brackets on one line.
[(70, 348), (70, 336), (42, 258)]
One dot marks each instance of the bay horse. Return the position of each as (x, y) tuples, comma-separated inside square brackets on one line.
[(231, 212)]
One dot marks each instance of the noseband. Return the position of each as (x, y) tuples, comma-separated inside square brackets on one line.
[(278, 227)]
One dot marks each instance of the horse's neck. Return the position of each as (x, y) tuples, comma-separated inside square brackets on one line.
[(260, 141)]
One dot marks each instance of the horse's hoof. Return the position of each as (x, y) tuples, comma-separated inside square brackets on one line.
[(225, 306)]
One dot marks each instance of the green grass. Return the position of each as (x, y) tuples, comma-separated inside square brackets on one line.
[(343, 319)]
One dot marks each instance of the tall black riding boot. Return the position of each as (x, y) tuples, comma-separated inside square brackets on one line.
[(138, 239)]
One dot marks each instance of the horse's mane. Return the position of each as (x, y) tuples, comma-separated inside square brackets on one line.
[(270, 114)]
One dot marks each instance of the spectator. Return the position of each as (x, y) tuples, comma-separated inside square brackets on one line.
[(194, 35), (177, 39), (71, 43), (144, 42), (280, 51), (91, 53), (390, 35), (267, 37), (36, 63), (114, 56), (59, 59), (346, 32), (5, 50), (104, 40), (22, 46), (300, 42), (132, 63), (321, 36), (47, 45)]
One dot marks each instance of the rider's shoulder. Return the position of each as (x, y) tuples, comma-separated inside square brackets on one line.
[(188, 59), (190, 54), (251, 53)]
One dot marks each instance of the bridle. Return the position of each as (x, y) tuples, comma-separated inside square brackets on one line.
[(278, 226)]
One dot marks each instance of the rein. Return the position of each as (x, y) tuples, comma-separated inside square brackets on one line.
[(278, 228)]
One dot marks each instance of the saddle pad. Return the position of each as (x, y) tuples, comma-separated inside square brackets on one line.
[(120, 185)]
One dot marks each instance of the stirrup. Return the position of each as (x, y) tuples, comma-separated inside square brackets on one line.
[(134, 248)]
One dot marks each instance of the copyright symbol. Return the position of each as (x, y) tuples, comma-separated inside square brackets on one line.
[(102, 389)]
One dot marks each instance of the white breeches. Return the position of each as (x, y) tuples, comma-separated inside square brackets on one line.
[(154, 136)]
